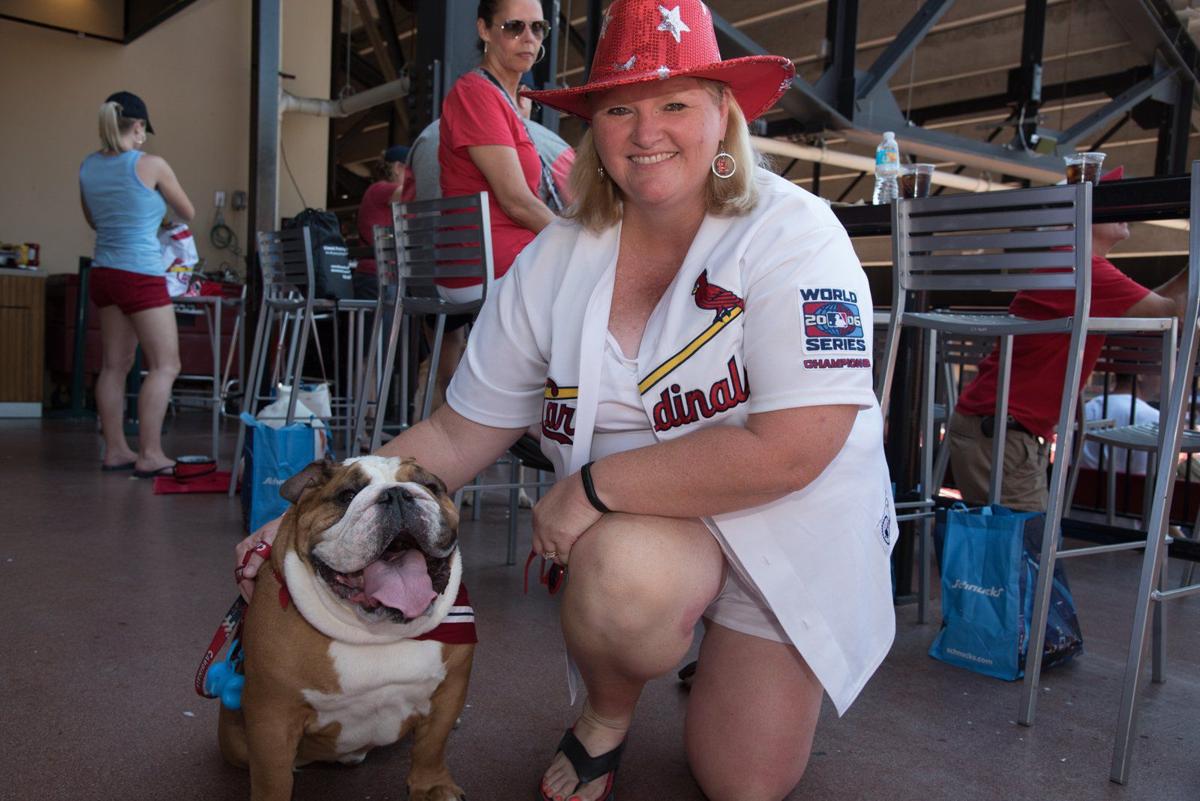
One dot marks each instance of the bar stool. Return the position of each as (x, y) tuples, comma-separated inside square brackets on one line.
[(1151, 595), (434, 240), (377, 369), (1136, 356), (1001, 242), (287, 315)]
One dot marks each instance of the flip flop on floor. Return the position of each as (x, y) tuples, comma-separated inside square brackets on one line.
[(112, 468), (169, 470), (587, 767)]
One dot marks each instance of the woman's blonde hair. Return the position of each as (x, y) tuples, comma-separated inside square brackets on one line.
[(113, 126), (598, 202)]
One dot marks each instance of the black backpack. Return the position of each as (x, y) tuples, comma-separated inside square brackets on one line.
[(331, 258)]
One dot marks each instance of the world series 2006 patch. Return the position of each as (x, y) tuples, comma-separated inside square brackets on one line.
[(833, 329)]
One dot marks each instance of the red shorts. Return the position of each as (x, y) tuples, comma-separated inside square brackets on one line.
[(131, 292)]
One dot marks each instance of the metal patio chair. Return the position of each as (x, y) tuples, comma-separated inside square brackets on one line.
[(1025, 239), (287, 315), (1150, 593)]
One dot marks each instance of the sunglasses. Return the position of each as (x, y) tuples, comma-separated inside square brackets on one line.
[(551, 575), (516, 28)]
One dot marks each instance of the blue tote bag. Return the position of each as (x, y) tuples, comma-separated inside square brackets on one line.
[(989, 560), (272, 456)]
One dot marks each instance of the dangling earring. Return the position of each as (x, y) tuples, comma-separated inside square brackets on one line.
[(724, 165), (485, 48), (541, 54), (600, 172)]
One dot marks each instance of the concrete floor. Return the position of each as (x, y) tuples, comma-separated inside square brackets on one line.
[(110, 595)]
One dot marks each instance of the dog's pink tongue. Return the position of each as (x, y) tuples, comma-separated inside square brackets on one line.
[(403, 584)]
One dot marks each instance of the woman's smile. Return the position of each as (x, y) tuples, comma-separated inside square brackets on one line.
[(655, 158)]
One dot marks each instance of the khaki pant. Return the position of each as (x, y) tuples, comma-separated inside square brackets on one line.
[(1026, 461)]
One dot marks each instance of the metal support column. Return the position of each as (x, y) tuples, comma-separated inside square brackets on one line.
[(595, 22), (1171, 156), (264, 145), (841, 39), (446, 48), (1025, 83)]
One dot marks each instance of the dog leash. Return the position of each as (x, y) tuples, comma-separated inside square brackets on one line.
[(230, 626)]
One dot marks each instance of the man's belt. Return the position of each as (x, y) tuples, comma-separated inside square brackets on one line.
[(987, 425)]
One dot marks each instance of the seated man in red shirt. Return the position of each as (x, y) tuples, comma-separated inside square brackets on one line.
[(1039, 362), (395, 184)]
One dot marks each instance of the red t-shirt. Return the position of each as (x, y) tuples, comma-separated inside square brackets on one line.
[(1039, 361), (475, 114), (376, 209)]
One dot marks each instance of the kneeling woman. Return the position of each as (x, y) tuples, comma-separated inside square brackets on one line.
[(692, 340)]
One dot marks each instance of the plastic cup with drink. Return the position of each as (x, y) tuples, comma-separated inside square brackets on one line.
[(915, 180), (1084, 167)]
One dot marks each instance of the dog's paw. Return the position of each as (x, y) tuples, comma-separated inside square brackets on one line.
[(440, 792)]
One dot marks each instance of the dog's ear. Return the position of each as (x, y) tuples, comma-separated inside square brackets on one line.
[(315, 475)]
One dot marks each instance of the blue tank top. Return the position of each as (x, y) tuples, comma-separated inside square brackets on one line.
[(127, 214)]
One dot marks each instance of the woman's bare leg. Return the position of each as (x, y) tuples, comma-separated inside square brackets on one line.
[(751, 715), (637, 587), (118, 342), (159, 337)]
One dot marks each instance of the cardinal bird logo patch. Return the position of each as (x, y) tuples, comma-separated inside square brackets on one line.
[(832, 324), (711, 296)]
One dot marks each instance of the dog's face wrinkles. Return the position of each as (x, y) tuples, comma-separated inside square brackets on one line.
[(373, 510)]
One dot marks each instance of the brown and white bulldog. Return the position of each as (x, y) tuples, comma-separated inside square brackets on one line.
[(365, 566)]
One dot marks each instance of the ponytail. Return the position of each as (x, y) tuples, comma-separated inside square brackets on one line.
[(112, 125)]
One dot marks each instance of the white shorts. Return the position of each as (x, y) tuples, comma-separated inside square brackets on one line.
[(460, 294), (740, 606)]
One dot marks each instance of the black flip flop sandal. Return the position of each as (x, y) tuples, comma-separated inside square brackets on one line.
[(169, 470), (587, 767)]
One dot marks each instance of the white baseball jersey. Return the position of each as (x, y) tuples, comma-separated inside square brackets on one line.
[(768, 311)]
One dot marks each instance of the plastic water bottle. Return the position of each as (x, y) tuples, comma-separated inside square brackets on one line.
[(887, 167)]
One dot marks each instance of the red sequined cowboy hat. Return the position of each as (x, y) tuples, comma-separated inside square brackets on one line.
[(651, 40)]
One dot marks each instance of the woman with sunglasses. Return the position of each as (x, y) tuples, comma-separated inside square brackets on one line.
[(484, 145)]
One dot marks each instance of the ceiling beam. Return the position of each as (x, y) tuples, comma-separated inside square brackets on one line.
[(802, 101), (902, 46), (1116, 107), (1111, 84), (936, 145), (381, 55), (574, 37), (391, 33)]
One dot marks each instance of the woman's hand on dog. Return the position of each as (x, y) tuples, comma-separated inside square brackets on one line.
[(244, 574), (560, 518)]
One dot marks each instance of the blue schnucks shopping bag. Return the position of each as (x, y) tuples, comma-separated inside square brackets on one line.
[(272, 456), (989, 560)]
